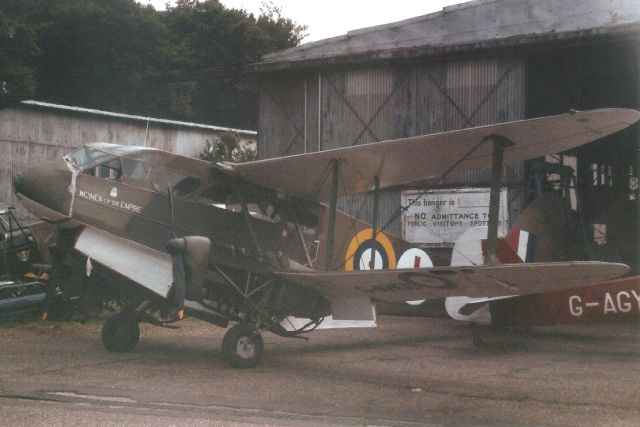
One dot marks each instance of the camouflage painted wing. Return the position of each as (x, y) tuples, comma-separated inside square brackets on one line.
[(402, 161), (440, 282)]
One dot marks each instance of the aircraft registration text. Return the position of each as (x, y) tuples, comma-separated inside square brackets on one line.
[(620, 302)]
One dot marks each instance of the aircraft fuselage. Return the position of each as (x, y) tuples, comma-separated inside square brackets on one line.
[(134, 205)]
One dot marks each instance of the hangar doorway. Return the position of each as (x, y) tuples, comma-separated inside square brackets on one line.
[(599, 74)]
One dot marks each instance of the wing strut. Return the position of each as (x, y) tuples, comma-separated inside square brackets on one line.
[(247, 219), (374, 223), (500, 143), (333, 203)]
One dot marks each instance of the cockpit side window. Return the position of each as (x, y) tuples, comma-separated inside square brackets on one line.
[(133, 166), (87, 158), (147, 157), (224, 197), (181, 184), (108, 166), (134, 169), (111, 169)]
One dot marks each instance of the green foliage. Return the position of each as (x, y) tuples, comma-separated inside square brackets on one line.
[(97, 53), (19, 53), (227, 148), (214, 41), (182, 63)]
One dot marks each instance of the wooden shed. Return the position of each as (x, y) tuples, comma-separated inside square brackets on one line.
[(33, 132)]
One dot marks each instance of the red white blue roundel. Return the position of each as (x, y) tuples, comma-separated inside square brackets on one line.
[(360, 256), (415, 258), (364, 261)]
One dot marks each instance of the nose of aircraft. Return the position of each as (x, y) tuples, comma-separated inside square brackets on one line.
[(24, 183), (46, 185)]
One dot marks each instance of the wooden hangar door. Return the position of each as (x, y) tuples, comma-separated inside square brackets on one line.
[(332, 108)]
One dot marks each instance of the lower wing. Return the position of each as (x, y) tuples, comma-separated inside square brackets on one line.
[(440, 282)]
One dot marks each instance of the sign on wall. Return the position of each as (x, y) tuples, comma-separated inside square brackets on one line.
[(439, 217)]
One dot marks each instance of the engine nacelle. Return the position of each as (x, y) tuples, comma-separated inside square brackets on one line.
[(190, 261)]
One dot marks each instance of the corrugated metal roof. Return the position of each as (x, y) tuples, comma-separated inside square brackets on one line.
[(49, 106), (479, 23)]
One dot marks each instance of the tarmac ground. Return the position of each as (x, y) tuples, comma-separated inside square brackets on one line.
[(409, 371)]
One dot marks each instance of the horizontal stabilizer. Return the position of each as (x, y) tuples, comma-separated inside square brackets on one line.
[(470, 309)]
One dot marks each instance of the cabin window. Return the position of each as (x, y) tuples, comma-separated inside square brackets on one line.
[(108, 166), (224, 198), (264, 212), (133, 169), (97, 163), (110, 169), (218, 196), (180, 184), (87, 158)]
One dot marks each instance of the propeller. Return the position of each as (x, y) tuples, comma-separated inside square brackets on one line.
[(176, 247), (189, 264)]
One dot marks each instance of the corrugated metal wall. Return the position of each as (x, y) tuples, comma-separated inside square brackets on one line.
[(282, 117), (331, 109)]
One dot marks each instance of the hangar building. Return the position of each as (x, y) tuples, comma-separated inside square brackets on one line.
[(476, 63), (33, 132)]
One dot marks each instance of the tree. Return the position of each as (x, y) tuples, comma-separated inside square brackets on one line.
[(227, 148), (96, 54), (183, 63), (216, 41), (19, 53)]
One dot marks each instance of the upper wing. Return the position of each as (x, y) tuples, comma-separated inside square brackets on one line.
[(418, 158), (439, 282)]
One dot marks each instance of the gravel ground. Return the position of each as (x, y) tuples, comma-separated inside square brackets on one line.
[(409, 371)]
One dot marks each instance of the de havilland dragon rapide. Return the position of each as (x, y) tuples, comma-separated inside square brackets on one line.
[(261, 245)]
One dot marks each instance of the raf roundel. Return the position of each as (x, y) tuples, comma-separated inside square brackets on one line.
[(415, 258), (359, 254)]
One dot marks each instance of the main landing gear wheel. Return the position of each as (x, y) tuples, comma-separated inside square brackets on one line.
[(242, 346), (121, 332)]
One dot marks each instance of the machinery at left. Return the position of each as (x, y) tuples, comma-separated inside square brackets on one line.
[(23, 274), (36, 276)]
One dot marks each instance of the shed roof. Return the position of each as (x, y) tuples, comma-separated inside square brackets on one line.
[(120, 116), (471, 25)]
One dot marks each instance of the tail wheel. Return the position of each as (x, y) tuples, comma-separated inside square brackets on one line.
[(242, 346), (121, 332)]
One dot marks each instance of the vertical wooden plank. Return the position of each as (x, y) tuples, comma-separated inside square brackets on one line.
[(403, 104), (430, 100), (19, 162), (282, 117), (6, 172), (311, 122)]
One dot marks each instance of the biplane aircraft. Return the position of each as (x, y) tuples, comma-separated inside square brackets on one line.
[(546, 230), (262, 242)]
